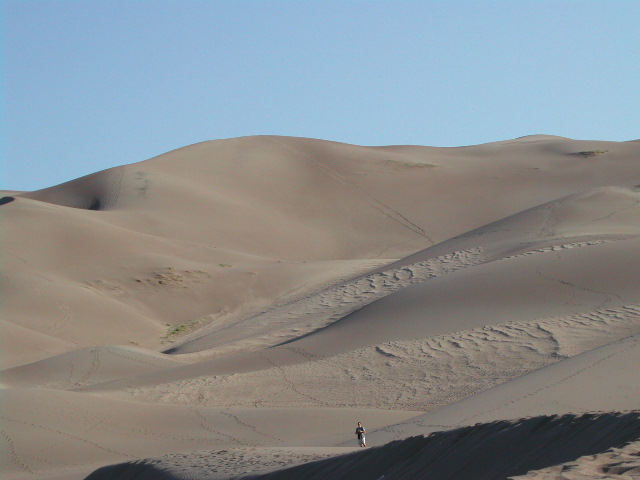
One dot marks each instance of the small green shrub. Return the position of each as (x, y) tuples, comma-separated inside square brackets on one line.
[(176, 330), (592, 153)]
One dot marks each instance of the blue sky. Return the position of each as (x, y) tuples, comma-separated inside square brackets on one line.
[(89, 85)]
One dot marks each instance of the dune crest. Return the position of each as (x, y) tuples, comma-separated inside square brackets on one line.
[(522, 448), (232, 308)]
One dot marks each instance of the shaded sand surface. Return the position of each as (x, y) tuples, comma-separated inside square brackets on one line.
[(216, 232), (618, 463), (496, 450), (234, 307), (488, 451), (590, 382), (218, 464)]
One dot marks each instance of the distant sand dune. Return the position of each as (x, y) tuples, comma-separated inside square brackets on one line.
[(411, 375), (317, 311), (87, 366), (234, 307), (98, 191), (233, 202)]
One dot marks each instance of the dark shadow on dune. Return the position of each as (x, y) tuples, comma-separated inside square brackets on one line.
[(490, 451), (140, 470), (95, 204), (5, 200), (292, 340), (98, 191)]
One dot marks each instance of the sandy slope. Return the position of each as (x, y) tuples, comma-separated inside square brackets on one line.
[(49, 433), (491, 451), (297, 286), (217, 231), (87, 366), (597, 380)]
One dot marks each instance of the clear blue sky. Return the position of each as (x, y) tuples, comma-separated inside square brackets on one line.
[(89, 85)]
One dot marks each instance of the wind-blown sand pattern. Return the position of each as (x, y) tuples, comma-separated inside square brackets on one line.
[(513, 447), (614, 463), (231, 309), (410, 375), (309, 314)]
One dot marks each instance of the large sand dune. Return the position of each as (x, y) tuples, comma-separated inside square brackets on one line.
[(601, 446), (235, 306)]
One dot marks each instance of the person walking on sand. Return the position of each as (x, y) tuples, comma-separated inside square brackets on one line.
[(360, 431)]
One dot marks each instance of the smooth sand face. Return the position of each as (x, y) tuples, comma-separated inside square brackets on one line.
[(298, 286)]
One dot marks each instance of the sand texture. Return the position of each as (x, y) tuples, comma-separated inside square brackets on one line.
[(232, 308)]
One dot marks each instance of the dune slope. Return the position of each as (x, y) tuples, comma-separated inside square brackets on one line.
[(215, 232), (243, 302), (491, 451)]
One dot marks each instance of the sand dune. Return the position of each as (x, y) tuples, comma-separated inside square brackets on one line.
[(496, 450), (560, 310), (235, 306), (87, 366), (491, 451), (220, 215), (597, 380), (27, 344), (55, 433)]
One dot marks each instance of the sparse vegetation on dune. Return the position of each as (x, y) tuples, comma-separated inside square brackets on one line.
[(592, 153)]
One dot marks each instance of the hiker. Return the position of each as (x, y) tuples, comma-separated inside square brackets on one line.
[(360, 434)]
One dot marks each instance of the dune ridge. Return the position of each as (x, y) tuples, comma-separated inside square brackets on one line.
[(504, 449), (522, 448), (233, 307)]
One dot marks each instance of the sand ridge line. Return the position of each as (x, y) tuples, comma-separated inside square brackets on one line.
[(131, 355), (115, 186), (293, 299), (634, 344), (85, 367), (95, 364), (614, 213), (487, 451), (557, 248), (314, 312), (548, 229), (374, 202), (514, 446), (408, 375), (545, 345), (70, 373)]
